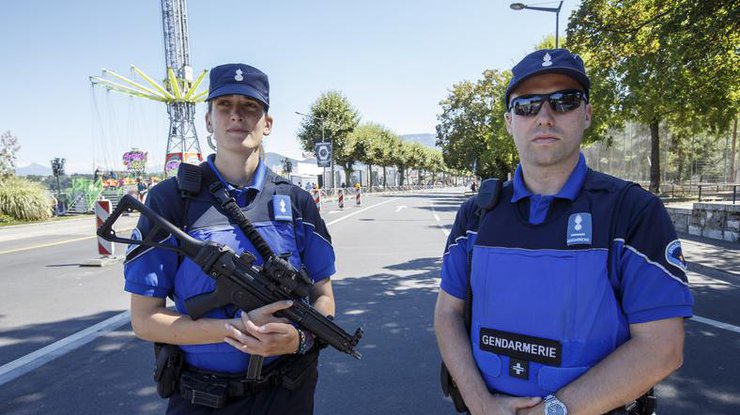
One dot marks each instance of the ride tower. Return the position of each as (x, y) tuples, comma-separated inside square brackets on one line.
[(178, 91)]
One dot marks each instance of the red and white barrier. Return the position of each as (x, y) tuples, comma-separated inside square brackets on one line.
[(340, 198), (317, 198), (103, 209), (358, 196)]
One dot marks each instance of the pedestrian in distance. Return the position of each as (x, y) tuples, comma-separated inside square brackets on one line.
[(577, 284), (141, 188), (216, 349)]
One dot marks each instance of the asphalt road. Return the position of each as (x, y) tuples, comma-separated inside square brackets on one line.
[(73, 321)]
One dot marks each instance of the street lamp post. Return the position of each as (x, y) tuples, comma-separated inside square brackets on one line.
[(57, 169), (323, 140), (522, 6)]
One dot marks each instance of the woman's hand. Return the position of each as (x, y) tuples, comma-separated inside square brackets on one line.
[(259, 332)]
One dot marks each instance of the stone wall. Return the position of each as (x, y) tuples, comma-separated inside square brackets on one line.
[(711, 220)]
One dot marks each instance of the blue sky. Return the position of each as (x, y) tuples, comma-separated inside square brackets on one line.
[(394, 60)]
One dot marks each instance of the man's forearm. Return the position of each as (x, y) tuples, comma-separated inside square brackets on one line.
[(454, 345), (628, 372)]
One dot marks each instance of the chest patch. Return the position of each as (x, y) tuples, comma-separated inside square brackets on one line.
[(519, 346), (579, 229), (281, 208)]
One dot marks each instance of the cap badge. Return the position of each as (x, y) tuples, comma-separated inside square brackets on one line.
[(546, 60), (238, 77)]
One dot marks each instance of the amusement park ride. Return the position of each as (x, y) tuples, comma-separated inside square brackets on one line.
[(178, 91)]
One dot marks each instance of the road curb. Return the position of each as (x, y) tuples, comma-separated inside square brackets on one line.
[(102, 262)]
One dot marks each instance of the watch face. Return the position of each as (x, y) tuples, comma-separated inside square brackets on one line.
[(555, 408)]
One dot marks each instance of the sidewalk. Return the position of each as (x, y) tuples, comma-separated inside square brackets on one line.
[(706, 254)]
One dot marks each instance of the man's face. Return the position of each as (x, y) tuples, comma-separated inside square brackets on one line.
[(238, 123), (548, 138)]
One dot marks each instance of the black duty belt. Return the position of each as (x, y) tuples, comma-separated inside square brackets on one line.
[(212, 389)]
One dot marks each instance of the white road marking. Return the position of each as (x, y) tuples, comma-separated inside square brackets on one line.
[(716, 323), (439, 221), (401, 207), (360, 211), (31, 361)]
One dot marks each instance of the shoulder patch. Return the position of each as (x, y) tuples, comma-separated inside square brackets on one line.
[(281, 208), (674, 254)]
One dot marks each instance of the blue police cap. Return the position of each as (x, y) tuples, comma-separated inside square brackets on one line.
[(239, 79), (548, 61)]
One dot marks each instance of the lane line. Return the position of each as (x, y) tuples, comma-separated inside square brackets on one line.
[(28, 248), (360, 211), (34, 360), (439, 221), (716, 323)]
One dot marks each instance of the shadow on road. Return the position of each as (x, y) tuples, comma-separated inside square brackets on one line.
[(111, 375), (399, 371)]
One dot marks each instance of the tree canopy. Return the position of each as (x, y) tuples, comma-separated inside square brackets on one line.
[(659, 61)]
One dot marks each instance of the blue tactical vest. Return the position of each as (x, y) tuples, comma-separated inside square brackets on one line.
[(295, 228), (544, 309)]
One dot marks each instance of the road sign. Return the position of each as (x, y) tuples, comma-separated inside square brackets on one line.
[(323, 154)]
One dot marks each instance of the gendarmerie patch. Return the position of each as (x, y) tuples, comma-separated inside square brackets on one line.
[(529, 348), (281, 208), (579, 229)]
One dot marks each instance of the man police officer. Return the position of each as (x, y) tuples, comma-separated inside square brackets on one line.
[(556, 327), (217, 347)]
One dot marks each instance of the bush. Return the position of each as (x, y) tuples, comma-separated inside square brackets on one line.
[(23, 200)]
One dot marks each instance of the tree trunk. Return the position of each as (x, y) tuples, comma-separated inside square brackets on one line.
[(732, 153), (384, 177), (347, 175), (401, 171), (369, 175), (654, 157)]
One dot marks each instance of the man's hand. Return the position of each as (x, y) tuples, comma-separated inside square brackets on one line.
[(504, 405), (259, 332), (538, 409)]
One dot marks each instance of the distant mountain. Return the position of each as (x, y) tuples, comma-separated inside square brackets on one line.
[(33, 169), (428, 140)]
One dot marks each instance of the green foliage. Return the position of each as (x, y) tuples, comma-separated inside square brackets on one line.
[(657, 61), (471, 128), (339, 119), (23, 200)]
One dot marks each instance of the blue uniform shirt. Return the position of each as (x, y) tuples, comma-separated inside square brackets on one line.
[(160, 273), (545, 309), (539, 205)]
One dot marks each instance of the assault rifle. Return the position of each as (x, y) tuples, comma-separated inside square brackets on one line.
[(238, 280)]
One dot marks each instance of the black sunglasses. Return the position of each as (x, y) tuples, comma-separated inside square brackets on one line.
[(560, 101)]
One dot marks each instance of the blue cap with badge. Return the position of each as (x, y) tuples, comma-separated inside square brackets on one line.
[(549, 61), (239, 79)]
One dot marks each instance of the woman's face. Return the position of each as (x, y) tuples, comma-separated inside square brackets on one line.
[(238, 123)]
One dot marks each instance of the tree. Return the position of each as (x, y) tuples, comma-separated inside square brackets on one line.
[(8, 152), (370, 145), (339, 119), (400, 156), (471, 129), (663, 61)]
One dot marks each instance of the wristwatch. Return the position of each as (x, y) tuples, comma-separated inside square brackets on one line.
[(553, 406)]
